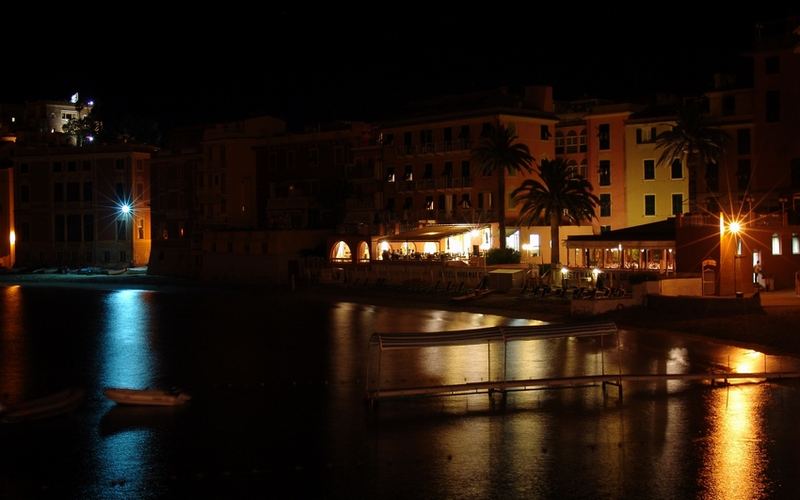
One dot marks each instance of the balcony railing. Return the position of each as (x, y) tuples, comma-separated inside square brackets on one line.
[(434, 147)]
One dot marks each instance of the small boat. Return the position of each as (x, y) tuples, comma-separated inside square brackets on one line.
[(116, 272), (47, 406), (476, 294), (153, 397)]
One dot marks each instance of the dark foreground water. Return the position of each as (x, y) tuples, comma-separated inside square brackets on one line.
[(278, 408)]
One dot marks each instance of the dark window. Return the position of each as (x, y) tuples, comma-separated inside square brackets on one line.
[(485, 128), (120, 190), (772, 65), (388, 139), (122, 229), (773, 106), (56, 166), (649, 170), (119, 164), (639, 137), (465, 203), (390, 174), (408, 174), (407, 141), (743, 141), (24, 194), (653, 134), (72, 166), (605, 172), (572, 142), (87, 165), (605, 229), (795, 168), (712, 177), (58, 233), (58, 191), (559, 143), (605, 205), (677, 204), (582, 141), (390, 204), (88, 227), (728, 105), (604, 136), (87, 191), (480, 200), (408, 203), (544, 132), (676, 169), (429, 202), (74, 227), (73, 191), (649, 204), (428, 171), (447, 134), (465, 169), (441, 201), (448, 169), (743, 174)]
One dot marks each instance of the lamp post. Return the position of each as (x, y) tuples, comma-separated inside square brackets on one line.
[(735, 227), (564, 272), (125, 209)]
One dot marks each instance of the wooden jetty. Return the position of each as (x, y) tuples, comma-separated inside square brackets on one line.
[(391, 341)]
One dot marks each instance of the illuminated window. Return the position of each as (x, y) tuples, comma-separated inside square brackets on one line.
[(535, 245), (795, 244), (776, 244)]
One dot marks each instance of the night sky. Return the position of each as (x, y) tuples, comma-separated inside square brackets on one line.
[(307, 65)]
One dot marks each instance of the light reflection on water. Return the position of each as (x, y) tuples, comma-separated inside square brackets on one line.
[(309, 429), (127, 361), (734, 452)]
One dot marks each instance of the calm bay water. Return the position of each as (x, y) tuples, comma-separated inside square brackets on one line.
[(278, 410)]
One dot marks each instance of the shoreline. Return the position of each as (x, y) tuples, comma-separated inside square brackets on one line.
[(774, 330)]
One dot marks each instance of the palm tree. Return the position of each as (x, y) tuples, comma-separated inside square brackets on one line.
[(498, 153), (561, 194), (693, 141)]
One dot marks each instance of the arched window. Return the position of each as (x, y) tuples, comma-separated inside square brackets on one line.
[(363, 252), (341, 252)]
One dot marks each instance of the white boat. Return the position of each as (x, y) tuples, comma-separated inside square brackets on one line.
[(154, 397), (47, 406)]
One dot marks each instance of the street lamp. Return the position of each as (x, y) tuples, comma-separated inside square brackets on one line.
[(735, 227), (564, 272)]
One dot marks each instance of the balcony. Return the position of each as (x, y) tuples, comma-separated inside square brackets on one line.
[(434, 148)]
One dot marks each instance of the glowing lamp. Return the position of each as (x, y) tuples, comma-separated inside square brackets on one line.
[(125, 209), (734, 227), (12, 237)]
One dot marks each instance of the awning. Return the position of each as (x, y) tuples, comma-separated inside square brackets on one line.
[(436, 232)]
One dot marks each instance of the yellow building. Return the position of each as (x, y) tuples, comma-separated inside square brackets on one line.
[(653, 192), (82, 206)]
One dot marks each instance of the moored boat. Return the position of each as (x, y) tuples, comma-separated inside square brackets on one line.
[(155, 397)]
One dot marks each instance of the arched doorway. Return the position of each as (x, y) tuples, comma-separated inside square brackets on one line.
[(363, 252), (341, 252)]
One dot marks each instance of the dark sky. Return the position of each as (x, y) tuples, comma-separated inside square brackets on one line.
[(308, 64)]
